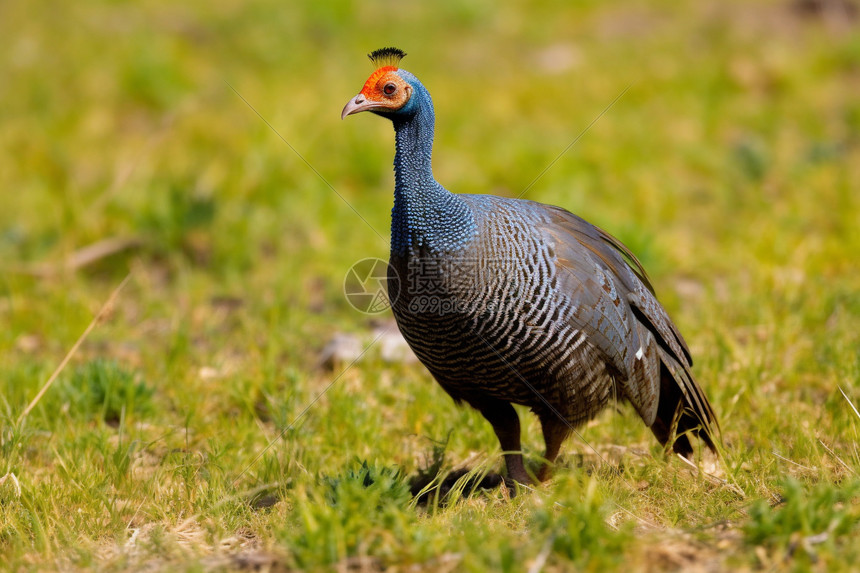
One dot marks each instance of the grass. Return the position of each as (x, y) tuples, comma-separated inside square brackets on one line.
[(192, 429)]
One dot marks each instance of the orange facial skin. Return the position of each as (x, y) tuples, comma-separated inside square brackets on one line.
[(374, 89), (384, 91), (372, 82)]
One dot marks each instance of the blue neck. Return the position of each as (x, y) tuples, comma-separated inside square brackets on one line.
[(426, 216)]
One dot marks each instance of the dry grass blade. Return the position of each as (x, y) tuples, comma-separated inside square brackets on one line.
[(15, 483), (711, 477), (850, 403), (785, 459), (838, 459), (81, 258), (100, 250), (102, 311), (540, 561)]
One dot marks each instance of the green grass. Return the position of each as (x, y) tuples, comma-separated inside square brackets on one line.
[(188, 432)]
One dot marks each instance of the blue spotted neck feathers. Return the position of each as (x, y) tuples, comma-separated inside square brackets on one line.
[(426, 217)]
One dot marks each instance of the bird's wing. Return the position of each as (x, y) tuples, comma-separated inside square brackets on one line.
[(615, 306)]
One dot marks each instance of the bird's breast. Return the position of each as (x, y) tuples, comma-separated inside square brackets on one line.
[(484, 315)]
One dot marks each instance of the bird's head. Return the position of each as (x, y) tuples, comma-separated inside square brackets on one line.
[(388, 91)]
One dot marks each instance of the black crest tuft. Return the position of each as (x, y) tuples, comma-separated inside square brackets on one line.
[(386, 57)]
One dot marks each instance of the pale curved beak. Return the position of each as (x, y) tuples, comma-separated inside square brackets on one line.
[(357, 104)]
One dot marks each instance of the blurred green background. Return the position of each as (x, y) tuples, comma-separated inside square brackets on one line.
[(729, 165)]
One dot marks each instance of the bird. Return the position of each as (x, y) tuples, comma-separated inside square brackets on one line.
[(510, 301)]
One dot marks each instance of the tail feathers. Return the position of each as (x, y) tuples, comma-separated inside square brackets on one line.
[(683, 410)]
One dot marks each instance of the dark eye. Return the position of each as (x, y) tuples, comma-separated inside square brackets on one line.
[(389, 89)]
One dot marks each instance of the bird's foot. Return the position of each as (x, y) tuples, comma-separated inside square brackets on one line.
[(544, 473)]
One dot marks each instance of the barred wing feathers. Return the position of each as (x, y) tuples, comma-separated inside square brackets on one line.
[(618, 310)]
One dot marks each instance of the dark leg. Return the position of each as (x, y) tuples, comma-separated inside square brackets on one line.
[(506, 423), (554, 433)]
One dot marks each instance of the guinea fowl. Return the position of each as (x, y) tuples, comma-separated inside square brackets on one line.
[(509, 301)]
